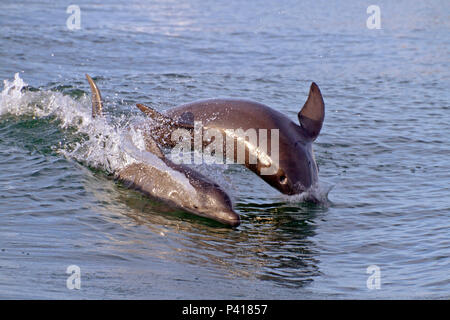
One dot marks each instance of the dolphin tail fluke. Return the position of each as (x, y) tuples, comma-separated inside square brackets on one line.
[(97, 105), (313, 112)]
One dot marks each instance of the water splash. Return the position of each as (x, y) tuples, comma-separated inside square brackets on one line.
[(99, 142), (317, 193), (106, 145)]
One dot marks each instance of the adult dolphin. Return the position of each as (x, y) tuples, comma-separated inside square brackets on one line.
[(295, 169), (177, 185)]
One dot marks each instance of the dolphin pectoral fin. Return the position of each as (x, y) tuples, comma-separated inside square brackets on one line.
[(152, 146), (97, 104), (313, 112)]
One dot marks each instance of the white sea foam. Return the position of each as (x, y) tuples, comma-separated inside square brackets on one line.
[(316, 193), (110, 147), (100, 150)]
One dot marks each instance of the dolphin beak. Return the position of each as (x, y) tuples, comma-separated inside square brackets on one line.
[(230, 218), (234, 220)]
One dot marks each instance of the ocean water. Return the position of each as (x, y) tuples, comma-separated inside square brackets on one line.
[(383, 153)]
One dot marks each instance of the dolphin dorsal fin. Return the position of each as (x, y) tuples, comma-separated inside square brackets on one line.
[(153, 114), (97, 105), (163, 119), (313, 112)]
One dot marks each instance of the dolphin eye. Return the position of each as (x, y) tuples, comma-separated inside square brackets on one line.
[(283, 179)]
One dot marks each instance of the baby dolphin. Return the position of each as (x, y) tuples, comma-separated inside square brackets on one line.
[(294, 166), (177, 185)]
